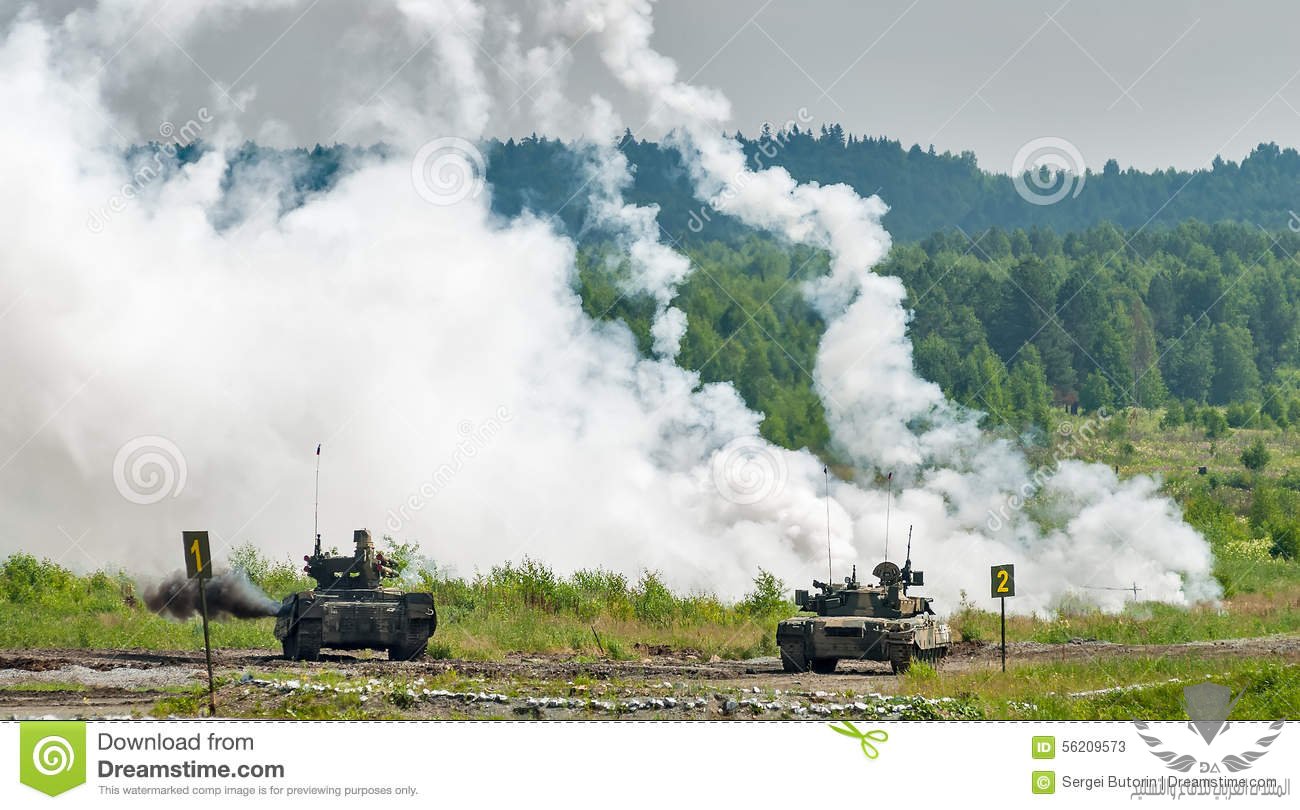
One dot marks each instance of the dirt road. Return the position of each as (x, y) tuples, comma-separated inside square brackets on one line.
[(119, 683)]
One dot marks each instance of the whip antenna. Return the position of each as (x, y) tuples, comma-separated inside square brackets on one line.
[(830, 577), (316, 515), (889, 483)]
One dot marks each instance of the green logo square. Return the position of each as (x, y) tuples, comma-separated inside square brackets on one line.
[(1044, 782), (1044, 747), (52, 755)]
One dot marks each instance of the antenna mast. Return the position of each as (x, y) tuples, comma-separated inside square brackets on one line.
[(889, 482), (830, 577), (316, 515)]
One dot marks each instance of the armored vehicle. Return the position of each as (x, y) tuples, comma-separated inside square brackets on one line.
[(351, 610), (864, 622)]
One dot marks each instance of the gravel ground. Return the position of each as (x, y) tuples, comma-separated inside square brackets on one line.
[(106, 683)]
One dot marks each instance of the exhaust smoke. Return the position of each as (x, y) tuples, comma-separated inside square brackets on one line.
[(229, 594)]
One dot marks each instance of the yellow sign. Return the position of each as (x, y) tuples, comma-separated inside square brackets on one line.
[(1003, 580), (198, 557)]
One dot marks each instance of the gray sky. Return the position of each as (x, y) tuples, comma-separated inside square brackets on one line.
[(1152, 84)]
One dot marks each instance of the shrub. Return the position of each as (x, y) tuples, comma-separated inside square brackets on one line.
[(920, 672), (1240, 414), (1216, 426), (652, 601), (400, 555), (277, 579), (1208, 515), (1173, 416), (966, 621), (768, 596), (1256, 456), (1275, 514)]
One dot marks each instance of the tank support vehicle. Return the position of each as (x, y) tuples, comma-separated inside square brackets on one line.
[(864, 622), (351, 609)]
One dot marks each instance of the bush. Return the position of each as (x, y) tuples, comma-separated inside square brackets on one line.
[(277, 579), (652, 602), (1216, 426), (1240, 414), (1256, 456), (400, 555), (1208, 515), (966, 620), (1275, 514), (1173, 416), (767, 598)]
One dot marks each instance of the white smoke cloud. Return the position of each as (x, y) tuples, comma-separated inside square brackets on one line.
[(391, 329), (881, 414)]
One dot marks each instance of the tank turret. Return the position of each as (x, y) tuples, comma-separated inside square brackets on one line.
[(365, 568)]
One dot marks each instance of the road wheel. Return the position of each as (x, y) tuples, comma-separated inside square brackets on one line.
[(824, 666)]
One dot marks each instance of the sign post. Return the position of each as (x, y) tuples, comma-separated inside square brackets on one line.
[(1003, 584), (198, 565)]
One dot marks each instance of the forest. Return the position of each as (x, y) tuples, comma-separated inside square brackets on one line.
[(1141, 291)]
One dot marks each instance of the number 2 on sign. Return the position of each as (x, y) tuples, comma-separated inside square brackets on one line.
[(1002, 576)]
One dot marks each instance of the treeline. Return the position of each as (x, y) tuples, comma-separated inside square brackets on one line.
[(927, 191), (1018, 324)]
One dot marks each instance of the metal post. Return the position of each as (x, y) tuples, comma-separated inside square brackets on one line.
[(207, 648), (1004, 633)]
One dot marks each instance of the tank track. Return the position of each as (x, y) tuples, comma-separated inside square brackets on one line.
[(418, 633), (901, 656), (303, 642), (793, 658)]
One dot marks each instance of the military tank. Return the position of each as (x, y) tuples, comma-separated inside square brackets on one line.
[(350, 609), (864, 622)]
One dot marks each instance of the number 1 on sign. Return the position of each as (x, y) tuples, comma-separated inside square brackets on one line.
[(198, 555)]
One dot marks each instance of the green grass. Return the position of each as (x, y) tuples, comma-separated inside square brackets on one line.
[(44, 686), (1246, 616), (513, 608), (1152, 688)]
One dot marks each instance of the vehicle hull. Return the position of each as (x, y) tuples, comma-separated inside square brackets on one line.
[(818, 643), (374, 619)]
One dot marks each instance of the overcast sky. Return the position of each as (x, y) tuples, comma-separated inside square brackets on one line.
[(1152, 84)]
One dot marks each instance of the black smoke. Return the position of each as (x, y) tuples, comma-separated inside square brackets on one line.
[(230, 594)]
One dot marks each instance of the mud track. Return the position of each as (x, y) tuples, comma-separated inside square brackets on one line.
[(120, 683)]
